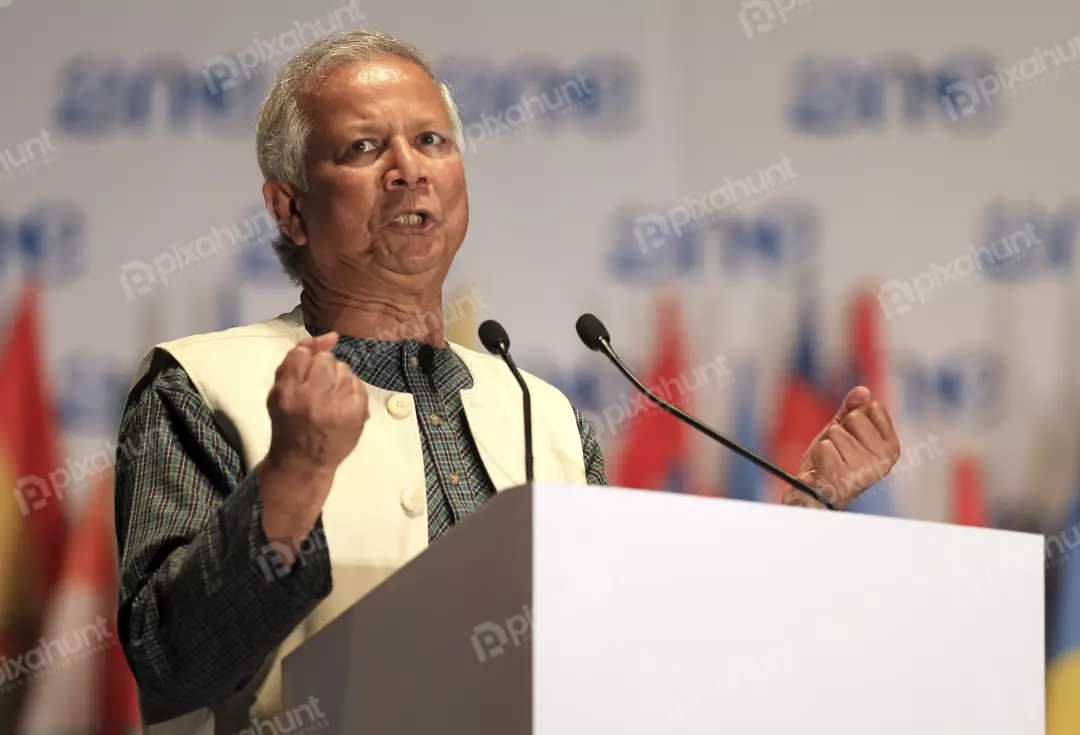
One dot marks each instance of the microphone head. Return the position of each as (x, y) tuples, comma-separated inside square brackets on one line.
[(492, 336), (592, 331)]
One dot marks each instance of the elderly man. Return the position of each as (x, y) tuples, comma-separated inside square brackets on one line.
[(298, 462)]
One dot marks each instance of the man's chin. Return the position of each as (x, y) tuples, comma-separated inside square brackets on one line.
[(417, 255)]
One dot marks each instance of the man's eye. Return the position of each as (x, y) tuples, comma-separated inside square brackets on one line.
[(431, 139), (363, 146)]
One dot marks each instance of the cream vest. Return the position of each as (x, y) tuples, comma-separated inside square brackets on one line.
[(376, 515)]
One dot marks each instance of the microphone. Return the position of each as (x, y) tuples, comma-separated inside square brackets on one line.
[(595, 336), (497, 342)]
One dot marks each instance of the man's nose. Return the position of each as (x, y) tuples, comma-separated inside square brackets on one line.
[(407, 168)]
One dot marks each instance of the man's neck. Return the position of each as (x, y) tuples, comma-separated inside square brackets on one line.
[(366, 317)]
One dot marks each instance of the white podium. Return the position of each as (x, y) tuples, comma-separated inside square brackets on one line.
[(559, 610)]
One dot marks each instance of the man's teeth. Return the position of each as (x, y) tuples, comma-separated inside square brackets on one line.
[(410, 218)]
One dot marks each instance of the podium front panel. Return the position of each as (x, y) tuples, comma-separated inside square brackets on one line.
[(659, 613)]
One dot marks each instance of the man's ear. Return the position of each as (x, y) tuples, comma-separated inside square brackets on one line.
[(282, 202)]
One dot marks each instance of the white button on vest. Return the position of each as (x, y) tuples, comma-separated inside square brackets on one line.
[(414, 502), (399, 405)]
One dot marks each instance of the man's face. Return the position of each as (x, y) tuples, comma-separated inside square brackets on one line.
[(380, 152)]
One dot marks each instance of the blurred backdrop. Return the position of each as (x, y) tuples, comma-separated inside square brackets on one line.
[(767, 202)]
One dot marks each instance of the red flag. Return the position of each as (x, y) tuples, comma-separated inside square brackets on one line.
[(32, 525), (869, 368), (27, 435), (121, 696), (86, 685), (867, 354), (804, 406), (655, 452), (968, 502)]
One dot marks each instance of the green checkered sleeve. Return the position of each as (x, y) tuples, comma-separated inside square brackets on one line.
[(590, 448), (204, 599)]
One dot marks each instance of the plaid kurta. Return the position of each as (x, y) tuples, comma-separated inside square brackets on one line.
[(198, 611)]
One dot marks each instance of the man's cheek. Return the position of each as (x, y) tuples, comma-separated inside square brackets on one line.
[(453, 199), (448, 177), (343, 212), (336, 237)]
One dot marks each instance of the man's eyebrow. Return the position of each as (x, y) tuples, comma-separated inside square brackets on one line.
[(366, 126), (372, 126)]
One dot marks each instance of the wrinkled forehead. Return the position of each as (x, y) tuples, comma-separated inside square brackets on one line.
[(370, 87)]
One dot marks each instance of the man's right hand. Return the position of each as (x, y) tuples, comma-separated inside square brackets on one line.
[(318, 409)]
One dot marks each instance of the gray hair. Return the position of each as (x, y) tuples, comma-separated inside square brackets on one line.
[(282, 130)]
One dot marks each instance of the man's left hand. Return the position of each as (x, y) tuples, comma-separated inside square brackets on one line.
[(856, 449)]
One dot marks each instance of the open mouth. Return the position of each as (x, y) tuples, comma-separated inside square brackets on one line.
[(412, 220)]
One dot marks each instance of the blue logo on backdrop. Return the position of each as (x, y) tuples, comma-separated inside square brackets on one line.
[(600, 95), (1026, 240), (258, 263), (46, 241), (580, 384), (836, 95), (780, 238), (107, 96), (965, 385), (91, 390)]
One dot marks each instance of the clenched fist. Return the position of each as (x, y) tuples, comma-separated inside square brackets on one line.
[(854, 451), (317, 406), (318, 409)]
